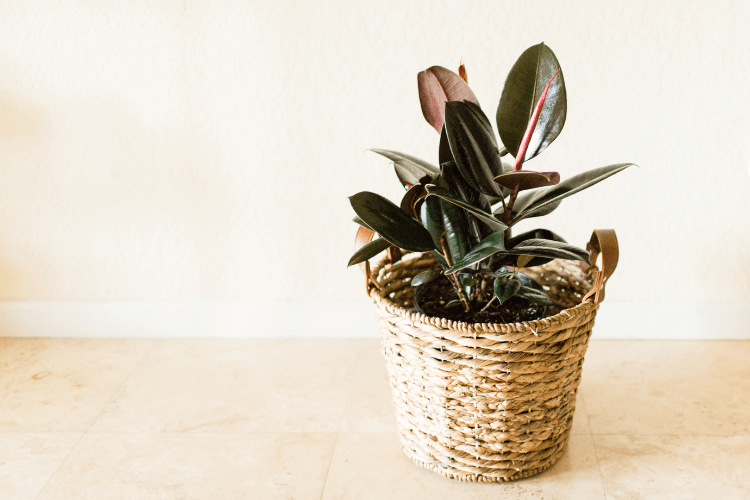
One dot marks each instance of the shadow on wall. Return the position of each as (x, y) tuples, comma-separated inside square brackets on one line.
[(107, 204)]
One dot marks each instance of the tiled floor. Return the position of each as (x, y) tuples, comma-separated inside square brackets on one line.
[(294, 419)]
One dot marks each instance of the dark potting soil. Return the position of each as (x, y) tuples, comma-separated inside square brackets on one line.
[(439, 298)]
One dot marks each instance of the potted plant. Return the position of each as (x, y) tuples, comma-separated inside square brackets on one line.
[(484, 331)]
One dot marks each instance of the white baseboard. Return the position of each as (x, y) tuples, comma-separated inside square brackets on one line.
[(615, 320)]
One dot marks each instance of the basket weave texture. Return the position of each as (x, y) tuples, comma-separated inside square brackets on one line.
[(483, 402)]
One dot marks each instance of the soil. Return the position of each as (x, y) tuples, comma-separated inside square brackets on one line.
[(439, 298)]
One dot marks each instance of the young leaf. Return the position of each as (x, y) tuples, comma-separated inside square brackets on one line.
[(485, 217), (528, 205), (369, 251), (473, 145), (489, 246), (425, 277), (437, 85), (408, 168), (462, 72), (506, 287), (523, 88), (392, 223)]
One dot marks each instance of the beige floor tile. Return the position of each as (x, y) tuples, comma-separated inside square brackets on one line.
[(674, 467), (581, 423), (28, 460), (61, 385), (370, 404), (167, 466), (668, 387), (235, 386), (372, 466)]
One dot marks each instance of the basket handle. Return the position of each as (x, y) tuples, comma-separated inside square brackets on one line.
[(604, 242), (363, 237)]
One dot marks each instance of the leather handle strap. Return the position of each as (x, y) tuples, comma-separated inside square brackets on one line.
[(363, 237), (603, 242)]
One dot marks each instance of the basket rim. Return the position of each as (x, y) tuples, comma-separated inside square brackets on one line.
[(533, 326)]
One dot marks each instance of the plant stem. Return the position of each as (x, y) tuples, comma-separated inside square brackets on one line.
[(452, 277), (509, 206)]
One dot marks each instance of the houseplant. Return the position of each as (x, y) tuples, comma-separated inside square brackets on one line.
[(483, 330)]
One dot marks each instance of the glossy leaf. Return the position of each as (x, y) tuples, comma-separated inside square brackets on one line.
[(411, 199), (531, 127), (408, 168), (528, 204), (535, 296), (485, 217), (523, 88), (457, 185), (369, 251), (542, 234), (437, 85), (506, 287), (473, 145), (360, 222), (390, 222), (425, 277), (526, 179), (489, 246), (550, 249), (440, 217), (444, 149), (539, 234)]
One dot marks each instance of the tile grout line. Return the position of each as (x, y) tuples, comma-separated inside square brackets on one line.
[(83, 434), (593, 444), (598, 466), (338, 433)]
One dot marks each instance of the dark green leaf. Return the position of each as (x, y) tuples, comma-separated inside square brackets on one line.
[(444, 149), (439, 258), (390, 222), (490, 245), (485, 217), (540, 234), (535, 296), (439, 217), (369, 251), (457, 185), (523, 88), (506, 287), (529, 204), (473, 145), (550, 249), (360, 222), (408, 168), (425, 277)]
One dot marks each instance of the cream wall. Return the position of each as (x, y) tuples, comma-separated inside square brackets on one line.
[(204, 150)]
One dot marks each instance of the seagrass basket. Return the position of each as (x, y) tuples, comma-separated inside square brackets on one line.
[(484, 402)]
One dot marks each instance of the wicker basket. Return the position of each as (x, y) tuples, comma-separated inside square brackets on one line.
[(484, 402)]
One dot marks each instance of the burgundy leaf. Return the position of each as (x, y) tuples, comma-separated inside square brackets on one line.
[(526, 179), (437, 86)]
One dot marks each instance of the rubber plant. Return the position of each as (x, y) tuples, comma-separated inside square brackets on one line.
[(464, 210)]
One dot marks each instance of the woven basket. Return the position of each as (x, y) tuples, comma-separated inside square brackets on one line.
[(483, 402)]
